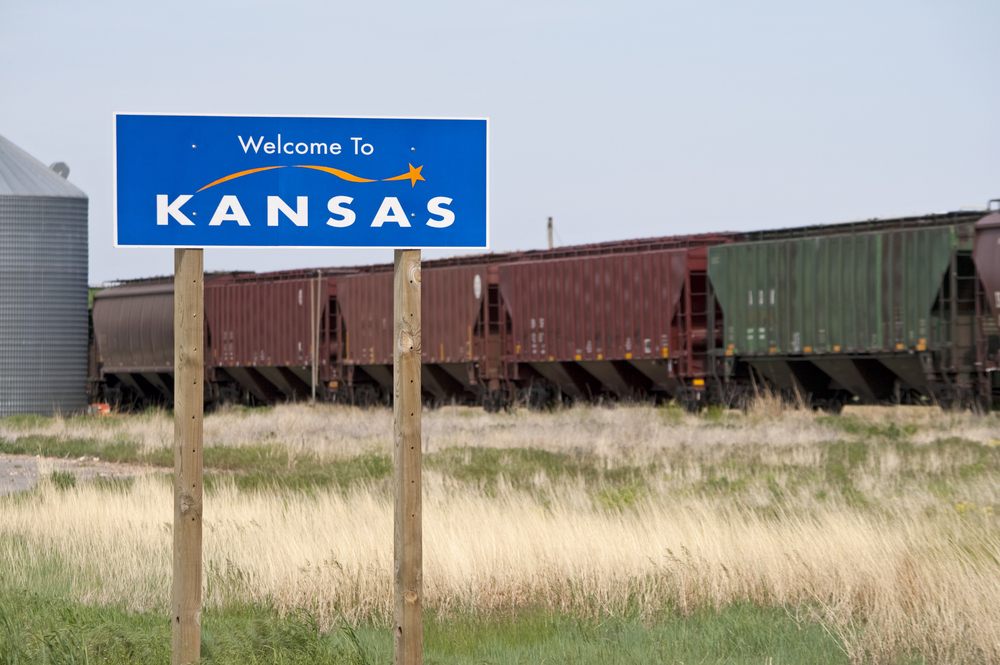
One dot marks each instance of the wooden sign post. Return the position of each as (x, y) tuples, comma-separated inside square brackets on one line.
[(189, 398), (408, 636)]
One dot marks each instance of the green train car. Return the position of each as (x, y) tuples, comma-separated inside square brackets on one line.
[(889, 311)]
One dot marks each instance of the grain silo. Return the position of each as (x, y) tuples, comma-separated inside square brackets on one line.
[(43, 287)]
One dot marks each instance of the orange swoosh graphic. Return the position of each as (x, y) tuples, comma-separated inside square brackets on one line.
[(343, 175), (238, 174), (412, 176)]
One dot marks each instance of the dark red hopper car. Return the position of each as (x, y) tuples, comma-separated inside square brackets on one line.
[(450, 310), (262, 333)]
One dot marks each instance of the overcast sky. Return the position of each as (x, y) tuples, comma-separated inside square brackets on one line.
[(620, 119)]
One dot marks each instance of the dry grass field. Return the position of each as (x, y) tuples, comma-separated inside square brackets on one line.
[(879, 525)]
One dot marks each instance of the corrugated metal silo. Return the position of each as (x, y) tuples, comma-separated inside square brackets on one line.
[(43, 288)]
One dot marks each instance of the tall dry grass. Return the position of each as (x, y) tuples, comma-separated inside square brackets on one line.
[(895, 547)]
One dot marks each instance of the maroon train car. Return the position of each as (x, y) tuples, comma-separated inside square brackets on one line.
[(452, 309), (273, 337), (625, 320)]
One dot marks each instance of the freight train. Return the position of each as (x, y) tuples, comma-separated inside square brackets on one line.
[(883, 311)]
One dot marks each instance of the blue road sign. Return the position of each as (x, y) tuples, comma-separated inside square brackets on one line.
[(242, 181)]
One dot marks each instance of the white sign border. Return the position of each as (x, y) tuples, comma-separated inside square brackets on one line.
[(114, 179)]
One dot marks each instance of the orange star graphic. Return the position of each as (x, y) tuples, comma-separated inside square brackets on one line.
[(413, 176)]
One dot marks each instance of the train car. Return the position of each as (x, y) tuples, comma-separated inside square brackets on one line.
[(622, 322), (455, 365), (883, 311), (133, 342), (273, 337)]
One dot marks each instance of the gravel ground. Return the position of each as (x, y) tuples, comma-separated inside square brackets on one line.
[(21, 472)]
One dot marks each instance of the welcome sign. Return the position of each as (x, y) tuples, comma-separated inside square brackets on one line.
[(242, 181)]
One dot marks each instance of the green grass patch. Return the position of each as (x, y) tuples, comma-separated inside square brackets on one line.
[(841, 461), (51, 446), (714, 414), (519, 466), (36, 629), (868, 430), (621, 497), (671, 413), (974, 459), (248, 467), (735, 634), (522, 467), (243, 410), (308, 473), (723, 483), (47, 629), (122, 484), (946, 465), (62, 480), (25, 421)]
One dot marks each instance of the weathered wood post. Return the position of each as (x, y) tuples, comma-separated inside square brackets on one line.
[(314, 334), (189, 396), (408, 633)]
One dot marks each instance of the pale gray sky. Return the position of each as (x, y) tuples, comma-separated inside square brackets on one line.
[(621, 119)]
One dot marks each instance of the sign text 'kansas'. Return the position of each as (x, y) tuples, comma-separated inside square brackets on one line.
[(240, 181)]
